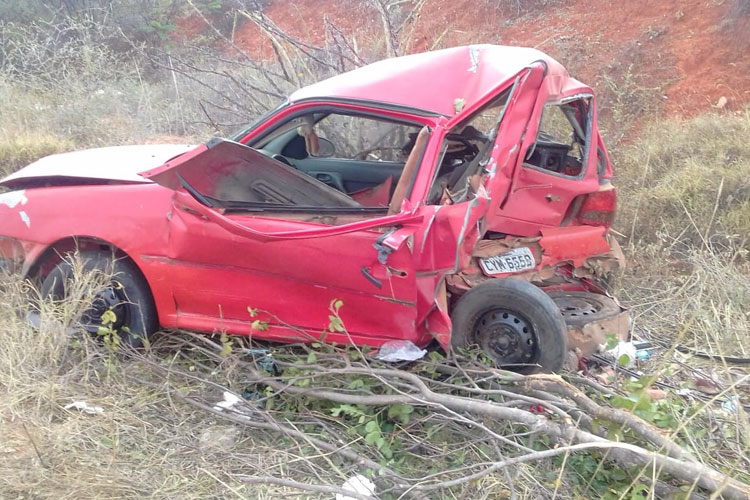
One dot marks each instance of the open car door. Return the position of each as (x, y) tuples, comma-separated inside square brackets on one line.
[(245, 236)]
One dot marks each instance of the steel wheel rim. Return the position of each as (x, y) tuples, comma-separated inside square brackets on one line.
[(112, 299), (577, 307), (507, 337)]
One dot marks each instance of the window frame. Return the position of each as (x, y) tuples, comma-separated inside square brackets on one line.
[(328, 109), (416, 130), (588, 131)]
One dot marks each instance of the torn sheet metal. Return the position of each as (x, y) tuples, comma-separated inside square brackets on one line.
[(592, 319)]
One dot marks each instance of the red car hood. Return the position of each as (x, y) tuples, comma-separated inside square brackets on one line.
[(119, 164)]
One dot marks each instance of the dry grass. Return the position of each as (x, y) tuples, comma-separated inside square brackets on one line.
[(687, 182), (144, 444), (685, 212), (685, 207), (150, 441), (698, 299), (17, 151)]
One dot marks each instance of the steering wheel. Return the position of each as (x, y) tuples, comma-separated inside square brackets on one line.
[(283, 159), (469, 147)]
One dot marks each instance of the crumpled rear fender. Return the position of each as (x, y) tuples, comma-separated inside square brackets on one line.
[(568, 258), (445, 246)]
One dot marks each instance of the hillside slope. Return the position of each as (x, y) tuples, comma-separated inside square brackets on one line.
[(684, 57)]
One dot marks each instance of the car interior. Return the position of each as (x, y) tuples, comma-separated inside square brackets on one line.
[(361, 156), (465, 151), (561, 141), (373, 160)]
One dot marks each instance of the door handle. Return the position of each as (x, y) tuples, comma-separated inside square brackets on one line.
[(372, 279)]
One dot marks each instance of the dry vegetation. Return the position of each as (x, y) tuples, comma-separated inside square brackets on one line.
[(82, 80)]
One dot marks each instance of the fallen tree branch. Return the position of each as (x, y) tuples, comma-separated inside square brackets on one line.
[(316, 488), (626, 454), (640, 427), (400, 387)]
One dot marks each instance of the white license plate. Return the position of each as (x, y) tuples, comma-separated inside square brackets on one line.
[(518, 259)]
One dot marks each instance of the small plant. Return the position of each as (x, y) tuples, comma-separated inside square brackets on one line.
[(335, 323)]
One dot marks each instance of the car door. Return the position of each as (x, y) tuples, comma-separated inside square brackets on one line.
[(233, 265), (557, 166), (533, 178)]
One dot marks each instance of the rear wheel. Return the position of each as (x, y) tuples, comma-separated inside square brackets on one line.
[(125, 295), (514, 322), (580, 308)]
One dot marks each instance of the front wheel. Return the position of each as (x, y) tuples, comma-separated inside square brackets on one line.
[(514, 322), (124, 297)]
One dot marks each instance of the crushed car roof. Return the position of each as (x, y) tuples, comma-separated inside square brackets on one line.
[(432, 81)]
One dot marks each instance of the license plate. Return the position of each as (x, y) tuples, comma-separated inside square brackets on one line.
[(518, 259)]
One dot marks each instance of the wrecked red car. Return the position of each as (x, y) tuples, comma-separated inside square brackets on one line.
[(462, 195)]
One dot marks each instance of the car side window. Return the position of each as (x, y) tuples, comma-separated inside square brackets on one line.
[(562, 139), (369, 160), (365, 138)]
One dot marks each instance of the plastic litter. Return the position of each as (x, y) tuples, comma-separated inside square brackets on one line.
[(621, 350), (228, 403), (85, 408), (400, 350), (264, 359), (357, 484)]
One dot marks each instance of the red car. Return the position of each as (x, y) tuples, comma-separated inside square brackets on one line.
[(462, 195)]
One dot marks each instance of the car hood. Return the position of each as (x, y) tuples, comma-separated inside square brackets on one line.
[(119, 164)]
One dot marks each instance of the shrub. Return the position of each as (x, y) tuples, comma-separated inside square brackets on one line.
[(19, 150), (687, 181)]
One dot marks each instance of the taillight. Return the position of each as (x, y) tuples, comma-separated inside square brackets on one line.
[(598, 209)]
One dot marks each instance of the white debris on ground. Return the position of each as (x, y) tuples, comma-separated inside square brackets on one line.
[(228, 403), (357, 484), (85, 408), (400, 350), (621, 350)]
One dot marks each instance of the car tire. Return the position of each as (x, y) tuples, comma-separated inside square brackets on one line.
[(581, 308), (514, 322), (129, 296)]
